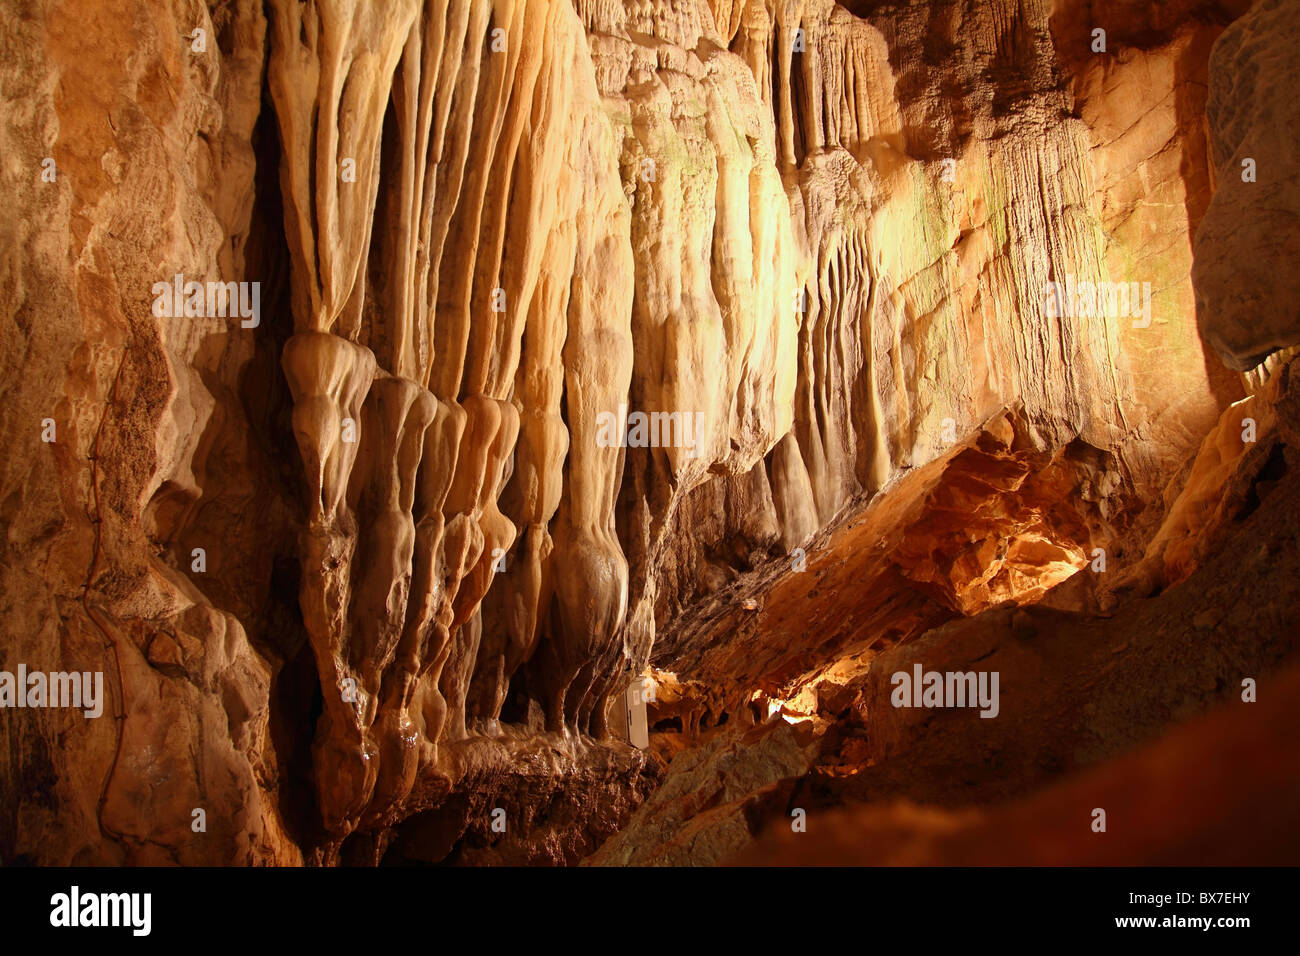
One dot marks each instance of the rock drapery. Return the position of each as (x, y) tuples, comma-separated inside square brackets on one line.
[(825, 232)]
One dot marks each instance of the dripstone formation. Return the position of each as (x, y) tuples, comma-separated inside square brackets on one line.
[(945, 318)]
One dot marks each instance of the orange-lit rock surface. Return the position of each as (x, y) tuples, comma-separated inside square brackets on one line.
[(365, 566), (1212, 792), (1078, 689)]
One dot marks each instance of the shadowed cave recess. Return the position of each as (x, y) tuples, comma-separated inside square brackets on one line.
[(676, 432)]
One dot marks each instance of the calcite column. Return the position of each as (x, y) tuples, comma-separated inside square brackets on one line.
[(330, 73)]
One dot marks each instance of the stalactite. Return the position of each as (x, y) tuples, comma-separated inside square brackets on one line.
[(818, 234)]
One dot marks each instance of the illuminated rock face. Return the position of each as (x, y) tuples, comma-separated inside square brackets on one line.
[(875, 251)]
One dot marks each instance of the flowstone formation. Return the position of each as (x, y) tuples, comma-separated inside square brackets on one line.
[(740, 344)]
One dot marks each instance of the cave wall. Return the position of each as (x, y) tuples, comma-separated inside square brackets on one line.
[(153, 169), (501, 221)]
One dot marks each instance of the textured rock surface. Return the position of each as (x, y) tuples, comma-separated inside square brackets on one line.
[(1076, 689), (716, 796), (820, 236), (1210, 793), (154, 166), (1245, 305)]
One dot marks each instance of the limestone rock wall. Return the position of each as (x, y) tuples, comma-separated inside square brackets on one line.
[(151, 174), (1244, 305), (944, 164), (812, 242)]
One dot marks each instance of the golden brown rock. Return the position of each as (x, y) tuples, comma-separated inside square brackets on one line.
[(348, 560)]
